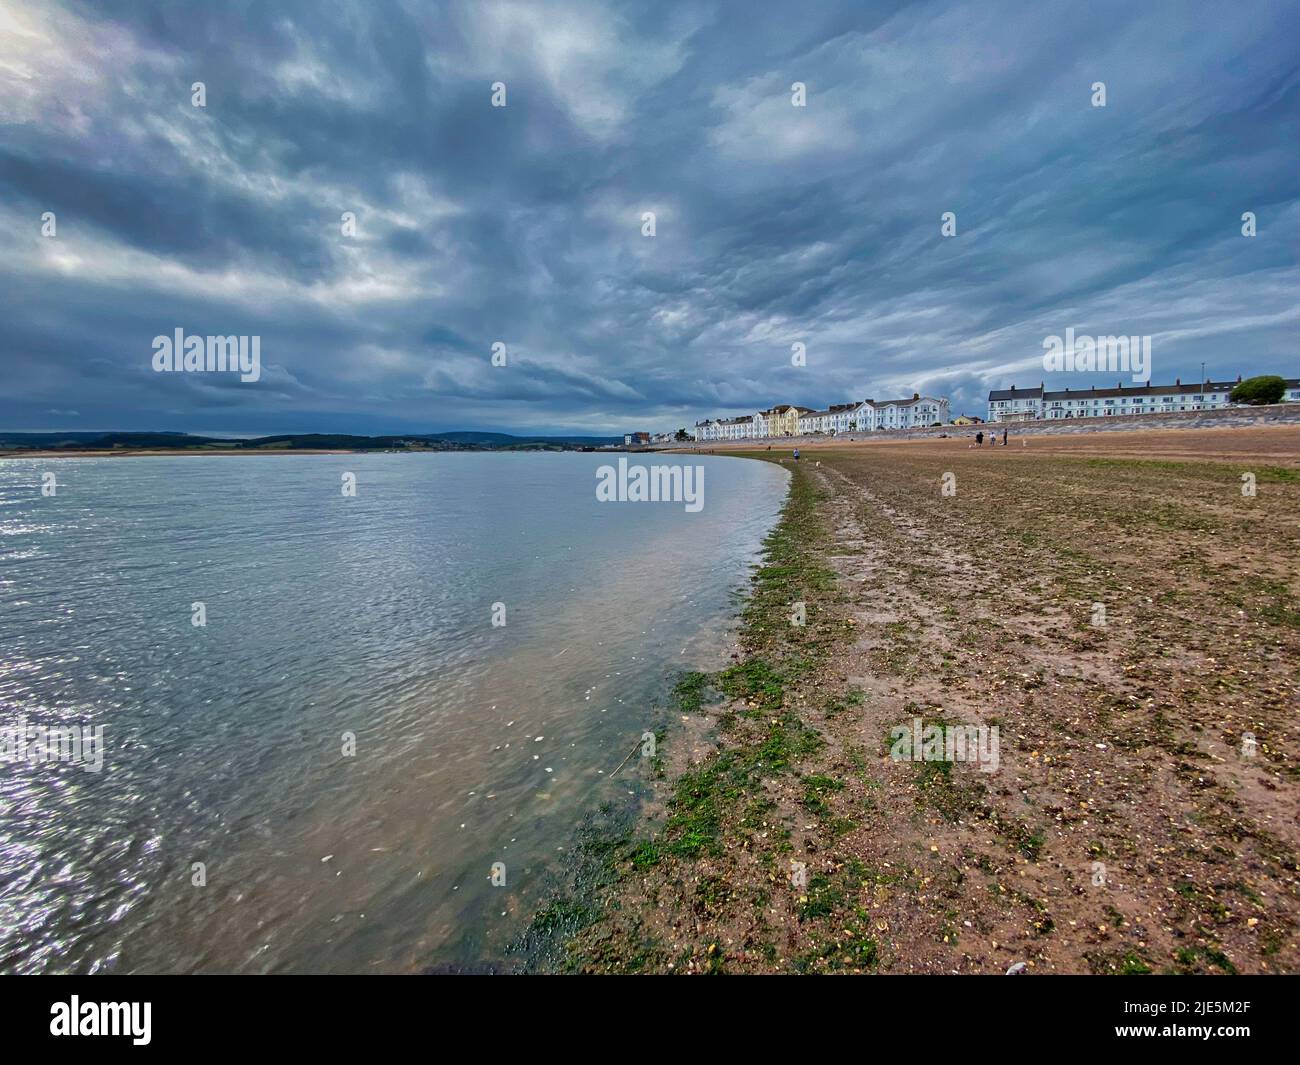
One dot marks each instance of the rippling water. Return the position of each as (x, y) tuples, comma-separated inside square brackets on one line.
[(326, 615)]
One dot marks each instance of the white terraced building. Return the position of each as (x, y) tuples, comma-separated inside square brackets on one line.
[(867, 416), (1032, 404), (914, 413), (729, 428), (837, 418)]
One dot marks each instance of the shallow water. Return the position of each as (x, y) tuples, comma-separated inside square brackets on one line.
[(328, 615)]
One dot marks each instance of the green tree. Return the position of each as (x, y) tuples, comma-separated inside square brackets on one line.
[(682, 434), (1257, 390)]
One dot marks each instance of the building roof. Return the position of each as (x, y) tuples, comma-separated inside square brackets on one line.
[(1178, 388), (1016, 393), (902, 402), (781, 408), (834, 408), (1195, 388), (725, 421)]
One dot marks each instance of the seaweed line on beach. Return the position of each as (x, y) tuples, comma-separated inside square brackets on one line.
[(719, 801)]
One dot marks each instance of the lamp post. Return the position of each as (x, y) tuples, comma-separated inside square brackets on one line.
[(1202, 386)]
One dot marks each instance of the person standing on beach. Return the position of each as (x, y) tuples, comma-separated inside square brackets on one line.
[(796, 454), (979, 439), (1004, 438)]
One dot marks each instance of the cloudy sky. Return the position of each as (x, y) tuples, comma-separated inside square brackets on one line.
[(774, 224)]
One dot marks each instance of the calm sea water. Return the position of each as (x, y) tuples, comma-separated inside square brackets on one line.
[(326, 615)]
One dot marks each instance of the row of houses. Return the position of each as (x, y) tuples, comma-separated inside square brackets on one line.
[(1005, 405), (1032, 404), (865, 416)]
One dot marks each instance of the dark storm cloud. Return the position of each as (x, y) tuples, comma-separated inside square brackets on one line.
[(522, 224)]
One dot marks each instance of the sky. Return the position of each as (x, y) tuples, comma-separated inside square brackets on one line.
[(524, 224)]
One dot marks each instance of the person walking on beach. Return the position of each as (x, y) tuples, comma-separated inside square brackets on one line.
[(796, 454), (1004, 438), (979, 439)]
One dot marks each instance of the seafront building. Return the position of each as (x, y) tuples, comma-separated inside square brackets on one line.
[(1033, 404), (1012, 404), (866, 416)]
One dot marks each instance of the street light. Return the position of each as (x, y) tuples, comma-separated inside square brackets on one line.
[(1202, 386)]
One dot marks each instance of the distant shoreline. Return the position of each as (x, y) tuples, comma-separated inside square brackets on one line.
[(56, 453), (80, 444), (87, 453)]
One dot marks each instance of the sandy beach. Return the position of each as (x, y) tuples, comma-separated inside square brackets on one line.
[(1114, 604)]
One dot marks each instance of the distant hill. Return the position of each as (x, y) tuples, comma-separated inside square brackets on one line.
[(495, 440), (85, 441), (458, 441), (323, 441)]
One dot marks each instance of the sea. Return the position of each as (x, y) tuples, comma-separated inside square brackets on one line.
[(333, 713)]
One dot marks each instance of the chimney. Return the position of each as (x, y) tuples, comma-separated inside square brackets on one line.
[(1178, 380), (1013, 388)]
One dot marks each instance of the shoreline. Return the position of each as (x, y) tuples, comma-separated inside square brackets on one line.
[(1279, 420), (566, 934), (1117, 743)]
